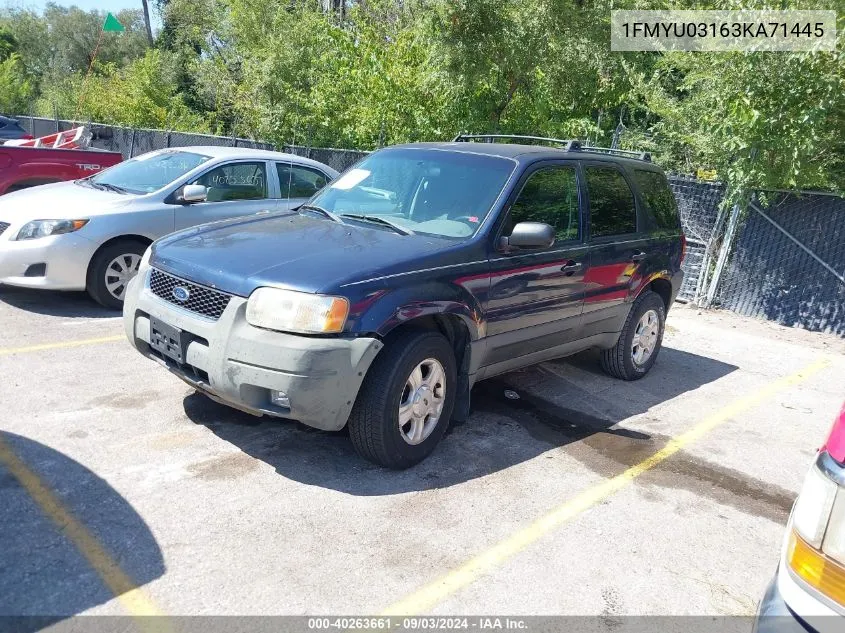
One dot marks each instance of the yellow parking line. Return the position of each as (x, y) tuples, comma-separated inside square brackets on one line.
[(431, 594), (133, 599), (40, 348)]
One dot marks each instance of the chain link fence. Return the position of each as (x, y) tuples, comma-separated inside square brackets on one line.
[(788, 262), (134, 141), (698, 205)]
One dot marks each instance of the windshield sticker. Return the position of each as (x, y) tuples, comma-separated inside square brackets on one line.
[(350, 179)]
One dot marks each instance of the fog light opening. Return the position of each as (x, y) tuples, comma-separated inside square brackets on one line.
[(279, 398), (36, 270)]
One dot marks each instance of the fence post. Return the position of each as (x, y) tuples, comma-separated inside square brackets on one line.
[(701, 284), (167, 139), (132, 143), (724, 252)]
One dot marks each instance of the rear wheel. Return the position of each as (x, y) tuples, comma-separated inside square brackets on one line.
[(639, 343), (110, 271), (404, 405)]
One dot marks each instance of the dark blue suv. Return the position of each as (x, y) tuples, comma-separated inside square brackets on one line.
[(419, 271)]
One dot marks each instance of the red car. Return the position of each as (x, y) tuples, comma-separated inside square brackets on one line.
[(22, 167), (808, 592)]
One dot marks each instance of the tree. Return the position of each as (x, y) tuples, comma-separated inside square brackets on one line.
[(15, 86)]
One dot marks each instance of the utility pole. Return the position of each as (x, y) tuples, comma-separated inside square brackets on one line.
[(147, 21)]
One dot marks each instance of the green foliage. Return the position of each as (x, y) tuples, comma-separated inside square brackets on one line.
[(373, 72), (8, 43), (142, 94), (15, 87)]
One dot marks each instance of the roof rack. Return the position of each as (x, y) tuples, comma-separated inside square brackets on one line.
[(568, 145), (618, 152)]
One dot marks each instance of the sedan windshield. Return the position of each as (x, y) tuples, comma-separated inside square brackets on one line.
[(427, 191), (149, 172)]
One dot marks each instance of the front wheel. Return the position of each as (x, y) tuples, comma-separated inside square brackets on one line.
[(110, 271), (639, 343), (404, 405)]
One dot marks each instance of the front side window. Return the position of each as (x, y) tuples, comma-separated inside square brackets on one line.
[(655, 190), (612, 207), (148, 172), (429, 191), (236, 181), (550, 196), (297, 181)]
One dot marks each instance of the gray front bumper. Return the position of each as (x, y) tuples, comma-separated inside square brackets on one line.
[(238, 364)]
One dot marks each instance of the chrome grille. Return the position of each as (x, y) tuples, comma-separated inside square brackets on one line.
[(202, 300), (3, 227)]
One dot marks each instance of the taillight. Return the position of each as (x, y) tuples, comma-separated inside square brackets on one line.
[(27, 137), (683, 247)]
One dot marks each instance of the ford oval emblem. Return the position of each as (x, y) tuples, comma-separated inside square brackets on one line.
[(181, 294)]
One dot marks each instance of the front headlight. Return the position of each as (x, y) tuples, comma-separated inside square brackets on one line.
[(291, 311), (812, 510), (44, 228)]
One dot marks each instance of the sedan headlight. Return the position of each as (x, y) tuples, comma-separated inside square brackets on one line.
[(44, 228), (815, 548), (812, 510), (291, 311)]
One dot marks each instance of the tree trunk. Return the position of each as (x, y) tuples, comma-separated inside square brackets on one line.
[(147, 21)]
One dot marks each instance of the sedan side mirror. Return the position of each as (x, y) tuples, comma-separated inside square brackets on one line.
[(529, 235), (193, 193)]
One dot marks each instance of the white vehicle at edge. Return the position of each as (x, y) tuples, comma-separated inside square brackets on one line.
[(90, 234)]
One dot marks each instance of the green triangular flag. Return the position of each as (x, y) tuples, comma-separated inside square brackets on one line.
[(113, 25)]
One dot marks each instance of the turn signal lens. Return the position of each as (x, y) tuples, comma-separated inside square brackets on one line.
[(816, 569)]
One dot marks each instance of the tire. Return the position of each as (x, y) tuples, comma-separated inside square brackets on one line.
[(130, 251), (620, 361), (374, 422)]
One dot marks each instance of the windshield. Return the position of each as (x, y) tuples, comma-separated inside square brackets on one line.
[(149, 172), (428, 191)]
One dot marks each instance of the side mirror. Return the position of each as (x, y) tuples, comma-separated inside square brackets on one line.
[(193, 193), (529, 235)]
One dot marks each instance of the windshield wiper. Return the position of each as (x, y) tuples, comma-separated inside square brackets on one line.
[(379, 220), (111, 187), (321, 210)]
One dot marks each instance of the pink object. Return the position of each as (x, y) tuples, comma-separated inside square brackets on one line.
[(835, 444)]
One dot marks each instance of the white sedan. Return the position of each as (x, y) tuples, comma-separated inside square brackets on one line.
[(90, 234)]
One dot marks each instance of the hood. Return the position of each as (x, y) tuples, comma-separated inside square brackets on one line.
[(298, 252), (60, 200)]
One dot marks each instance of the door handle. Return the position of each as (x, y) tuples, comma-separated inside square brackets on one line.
[(571, 267), (638, 257)]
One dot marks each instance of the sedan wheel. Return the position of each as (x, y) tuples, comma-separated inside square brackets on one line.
[(118, 273)]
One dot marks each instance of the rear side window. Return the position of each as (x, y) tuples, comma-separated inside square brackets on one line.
[(612, 207), (549, 196), (296, 181), (236, 181), (659, 198)]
